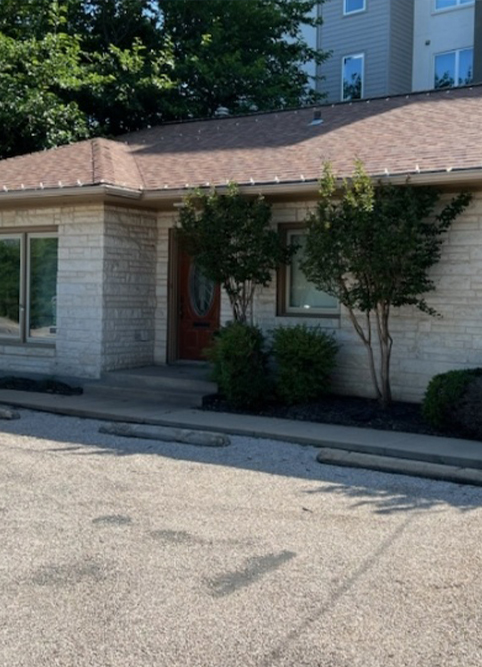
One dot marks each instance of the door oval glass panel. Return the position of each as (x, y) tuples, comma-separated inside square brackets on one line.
[(201, 291)]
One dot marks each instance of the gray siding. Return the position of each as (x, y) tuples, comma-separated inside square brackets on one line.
[(478, 43), (365, 32), (400, 47)]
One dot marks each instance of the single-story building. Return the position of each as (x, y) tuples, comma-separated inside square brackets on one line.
[(92, 279)]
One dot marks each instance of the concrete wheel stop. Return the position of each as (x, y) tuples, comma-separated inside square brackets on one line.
[(167, 434)]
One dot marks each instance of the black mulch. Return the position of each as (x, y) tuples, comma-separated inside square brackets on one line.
[(341, 410), (43, 386)]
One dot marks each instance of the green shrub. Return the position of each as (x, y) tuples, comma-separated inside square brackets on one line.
[(304, 359), (240, 365), (444, 397)]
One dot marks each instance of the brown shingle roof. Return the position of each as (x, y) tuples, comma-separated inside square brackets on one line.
[(420, 132), (84, 163)]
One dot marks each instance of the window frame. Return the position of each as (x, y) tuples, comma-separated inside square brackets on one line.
[(283, 282), (457, 53), (347, 12), (361, 56), (25, 235)]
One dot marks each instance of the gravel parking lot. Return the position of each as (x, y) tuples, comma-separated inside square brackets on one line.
[(130, 553)]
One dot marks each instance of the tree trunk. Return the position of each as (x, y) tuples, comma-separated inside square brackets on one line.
[(386, 342), (367, 341)]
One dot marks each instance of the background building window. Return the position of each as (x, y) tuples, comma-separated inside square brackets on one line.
[(301, 296), (28, 286), (447, 4), (453, 68), (352, 77), (351, 6)]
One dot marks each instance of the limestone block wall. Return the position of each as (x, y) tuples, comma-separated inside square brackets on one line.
[(129, 288), (79, 290), (423, 345), (106, 291), (76, 350)]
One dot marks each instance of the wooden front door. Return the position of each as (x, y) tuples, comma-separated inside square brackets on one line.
[(198, 309)]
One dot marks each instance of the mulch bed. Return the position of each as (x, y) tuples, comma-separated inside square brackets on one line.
[(42, 386), (341, 410)]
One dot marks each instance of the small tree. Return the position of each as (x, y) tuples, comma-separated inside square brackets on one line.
[(230, 238), (372, 248)]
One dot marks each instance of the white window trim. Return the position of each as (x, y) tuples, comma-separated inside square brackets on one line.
[(24, 288), (292, 310), (353, 11), (458, 5), (457, 63), (354, 55)]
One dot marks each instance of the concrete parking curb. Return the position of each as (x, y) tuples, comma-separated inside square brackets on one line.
[(391, 451), (165, 434), (352, 459)]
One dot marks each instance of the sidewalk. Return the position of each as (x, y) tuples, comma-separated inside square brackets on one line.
[(449, 459)]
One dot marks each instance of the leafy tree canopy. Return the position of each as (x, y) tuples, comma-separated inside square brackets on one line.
[(231, 239), (372, 247), (70, 69)]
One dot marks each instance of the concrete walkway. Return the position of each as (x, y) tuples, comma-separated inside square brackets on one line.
[(440, 458)]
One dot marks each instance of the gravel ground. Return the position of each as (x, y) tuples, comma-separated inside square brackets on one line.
[(129, 553)]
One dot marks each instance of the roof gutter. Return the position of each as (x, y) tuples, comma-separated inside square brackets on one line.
[(303, 188)]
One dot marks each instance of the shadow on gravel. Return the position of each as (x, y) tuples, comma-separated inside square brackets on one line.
[(384, 493)]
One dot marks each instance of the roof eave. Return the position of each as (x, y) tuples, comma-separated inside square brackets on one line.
[(98, 190)]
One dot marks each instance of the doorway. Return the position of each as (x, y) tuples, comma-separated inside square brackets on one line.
[(198, 309)]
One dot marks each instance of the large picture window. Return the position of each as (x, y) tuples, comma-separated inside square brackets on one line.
[(28, 286), (453, 68), (300, 296)]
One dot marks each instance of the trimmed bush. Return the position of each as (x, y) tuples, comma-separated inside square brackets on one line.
[(240, 365), (452, 401), (304, 359)]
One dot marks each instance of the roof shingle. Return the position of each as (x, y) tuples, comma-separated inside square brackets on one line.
[(420, 132)]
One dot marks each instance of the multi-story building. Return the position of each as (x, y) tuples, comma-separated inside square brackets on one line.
[(386, 47)]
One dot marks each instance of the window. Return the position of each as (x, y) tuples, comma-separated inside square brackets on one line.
[(28, 286), (448, 4), (352, 77), (453, 68), (352, 6), (300, 296)]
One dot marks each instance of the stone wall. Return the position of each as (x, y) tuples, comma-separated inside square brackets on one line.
[(79, 291), (106, 294), (423, 345), (129, 288), (76, 350)]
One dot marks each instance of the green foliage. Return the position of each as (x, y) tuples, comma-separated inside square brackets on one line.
[(262, 66), (35, 79), (71, 69), (305, 357), (240, 365), (443, 394), (372, 247), (231, 239), (376, 243)]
